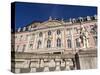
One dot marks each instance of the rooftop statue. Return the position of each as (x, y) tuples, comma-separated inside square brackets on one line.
[(84, 37)]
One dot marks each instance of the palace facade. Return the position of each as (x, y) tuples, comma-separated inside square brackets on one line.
[(55, 45)]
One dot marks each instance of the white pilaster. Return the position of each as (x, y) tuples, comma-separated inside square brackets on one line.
[(67, 67), (52, 63), (42, 63), (57, 66), (62, 64), (54, 38)]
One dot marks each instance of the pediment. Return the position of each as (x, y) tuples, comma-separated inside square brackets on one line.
[(51, 23)]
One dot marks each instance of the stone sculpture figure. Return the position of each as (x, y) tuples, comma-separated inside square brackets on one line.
[(84, 36)]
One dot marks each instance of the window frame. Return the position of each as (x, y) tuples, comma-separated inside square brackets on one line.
[(77, 43), (48, 43), (58, 42), (58, 32), (24, 46), (39, 44), (69, 43), (40, 34), (49, 33)]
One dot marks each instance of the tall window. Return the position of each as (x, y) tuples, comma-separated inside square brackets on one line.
[(49, 33), (23, 47), (48, 43), (95, 40), (30, 46), (40, 34), (39, 44), (58, 42), (58, 32), (69, 43), (77, 43)]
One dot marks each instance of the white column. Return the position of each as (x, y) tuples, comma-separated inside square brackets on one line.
[(35, 41), (87, 43), (33, 70), (57, 66), (62, 64), (54, 38), (28, 40), (72, 37), (42, 63), (17, 70), (67, 65), (62, 37), (43, 39), (52, 63), (84, 42)]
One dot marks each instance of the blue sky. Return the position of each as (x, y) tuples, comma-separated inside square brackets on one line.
[(25, 13)]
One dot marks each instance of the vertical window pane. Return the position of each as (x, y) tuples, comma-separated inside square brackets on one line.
[(58, 32), (40, 34), (39, 44), (49, 32), (48, 43), (69, 43), (58, 42), (95, 40)]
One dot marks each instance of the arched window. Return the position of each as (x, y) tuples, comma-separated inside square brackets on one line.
[(69, 43), (39, 44), (77, 43), (49, 33), (58, 32), (58, 42), (48, 43), (40, 34)]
